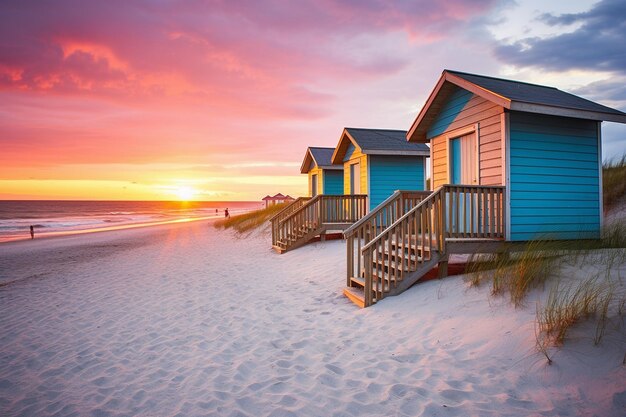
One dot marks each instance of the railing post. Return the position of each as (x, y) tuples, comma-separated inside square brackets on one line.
[(444, 214), (503, 193), (321, 212), (367, 289), (350, 260)]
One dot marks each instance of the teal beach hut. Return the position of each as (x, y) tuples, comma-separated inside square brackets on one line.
[(378, 162), (542, 144), (324, 178)]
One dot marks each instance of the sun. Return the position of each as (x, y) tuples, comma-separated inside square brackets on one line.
[(185, 193)]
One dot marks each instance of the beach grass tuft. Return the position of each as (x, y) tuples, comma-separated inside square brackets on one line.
[(614, 181), (515, 273), (574, 302), (250, 221)]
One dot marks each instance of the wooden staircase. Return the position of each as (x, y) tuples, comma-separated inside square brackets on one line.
[(315, 217), (388, 253)]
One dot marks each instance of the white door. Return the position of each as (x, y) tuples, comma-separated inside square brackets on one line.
[(355, 178), (313, 185)]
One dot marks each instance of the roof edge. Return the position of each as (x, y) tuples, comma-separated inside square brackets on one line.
[(567, 112), (448, 76), (397, 153), (344, 134), (304, 168)]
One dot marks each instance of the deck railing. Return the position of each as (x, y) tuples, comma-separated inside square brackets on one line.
[(318, 211), (377, 220), (451, 212), (281, 215)]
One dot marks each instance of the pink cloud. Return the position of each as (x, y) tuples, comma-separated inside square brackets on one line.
[(196, 81)]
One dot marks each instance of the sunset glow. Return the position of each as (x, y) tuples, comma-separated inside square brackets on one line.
[(118, 100), (185, 193)]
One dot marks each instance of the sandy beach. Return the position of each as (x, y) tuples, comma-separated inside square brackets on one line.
[(187, 320)]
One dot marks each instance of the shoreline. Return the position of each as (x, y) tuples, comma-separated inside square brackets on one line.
[(28, 258), (49, 235)]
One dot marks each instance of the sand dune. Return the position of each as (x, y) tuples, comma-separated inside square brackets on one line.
[(186, 320)]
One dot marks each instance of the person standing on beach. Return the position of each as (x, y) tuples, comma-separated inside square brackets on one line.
[(226, 213), (32, 232)]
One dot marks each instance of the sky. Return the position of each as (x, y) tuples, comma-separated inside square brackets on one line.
[(218, 100)]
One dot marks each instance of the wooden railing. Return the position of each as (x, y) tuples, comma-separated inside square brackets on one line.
[(320, 210), (451, 212), (281, 215), (474, 212), (377, 220)]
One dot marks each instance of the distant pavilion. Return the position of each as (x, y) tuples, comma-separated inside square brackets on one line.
[(277, 199)]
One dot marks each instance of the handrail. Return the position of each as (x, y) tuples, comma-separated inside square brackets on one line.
[(405, 215), (450, 212), (314, 214), (279, 217), (374, 223), (350, 230), (448, 187), (299, 209), (290, 206)]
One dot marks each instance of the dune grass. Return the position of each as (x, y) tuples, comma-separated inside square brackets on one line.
[(249, 221), (568, 304), (517, 273), (614, 181), (543, 264)]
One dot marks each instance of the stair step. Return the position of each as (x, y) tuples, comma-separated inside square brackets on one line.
[(359, 281), (360, 284), (395, 255), (408, 247), (355, 295), (386, 263)]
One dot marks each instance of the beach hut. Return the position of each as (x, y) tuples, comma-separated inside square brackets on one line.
[(324, 177), (542, 144), (377, 162), (510, 162)]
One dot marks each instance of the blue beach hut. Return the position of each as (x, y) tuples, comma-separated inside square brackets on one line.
[(542, 144), (324, 177), (378, 162)]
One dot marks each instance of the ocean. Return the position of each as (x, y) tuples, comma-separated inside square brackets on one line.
[(66, 217)]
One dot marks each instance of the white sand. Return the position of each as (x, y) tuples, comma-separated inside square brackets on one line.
[(186, 320)]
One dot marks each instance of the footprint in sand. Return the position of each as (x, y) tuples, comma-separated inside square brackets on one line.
[(409, 358), (335, 369)]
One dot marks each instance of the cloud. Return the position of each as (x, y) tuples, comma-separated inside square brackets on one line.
[(597, 43), (209, 49), (610, 91), (194, 82)]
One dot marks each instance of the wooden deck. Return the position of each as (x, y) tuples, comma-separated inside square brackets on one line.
[(298, 225), (405, 237)]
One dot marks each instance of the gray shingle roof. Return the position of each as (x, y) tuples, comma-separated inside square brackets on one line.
[(385, 140), (534, 94), (322, 155)]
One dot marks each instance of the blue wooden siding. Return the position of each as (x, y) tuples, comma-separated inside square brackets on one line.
[(454, 105), (391, 173), (333, 182), (349, 152), (554, 180)]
